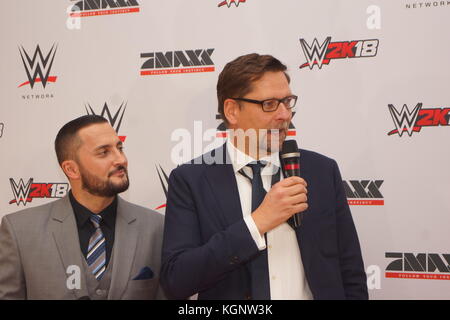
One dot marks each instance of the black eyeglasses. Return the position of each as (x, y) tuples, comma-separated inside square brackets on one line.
[(270, 105)]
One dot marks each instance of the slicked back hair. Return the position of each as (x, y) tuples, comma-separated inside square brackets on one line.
[(67, 140), (236, 78)]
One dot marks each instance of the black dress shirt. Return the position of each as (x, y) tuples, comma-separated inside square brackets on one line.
[(86, 229)]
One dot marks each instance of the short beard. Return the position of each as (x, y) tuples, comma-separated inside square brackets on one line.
[(272, 142), (97, 187)]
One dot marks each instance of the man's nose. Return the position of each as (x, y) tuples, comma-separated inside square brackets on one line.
[(284, 112), (120, 158)]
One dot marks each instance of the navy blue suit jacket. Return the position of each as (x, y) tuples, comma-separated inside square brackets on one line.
[(207, 244)]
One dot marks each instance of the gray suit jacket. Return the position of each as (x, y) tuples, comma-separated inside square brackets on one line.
[(37, 246)]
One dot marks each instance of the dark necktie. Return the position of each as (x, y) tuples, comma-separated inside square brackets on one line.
[(96, 257), (259, 266)]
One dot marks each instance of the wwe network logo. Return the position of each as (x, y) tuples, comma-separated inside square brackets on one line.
[(115, 121), (428, 4), (364, 192), (170, 62), (413, 121), (38, 67), (430, 266), (87, 8), (26, 192), (229, 2), (319, 54)]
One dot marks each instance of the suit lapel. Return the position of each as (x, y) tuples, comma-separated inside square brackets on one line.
[(305, 238), (125, 243), (65, 234), (223, 184)]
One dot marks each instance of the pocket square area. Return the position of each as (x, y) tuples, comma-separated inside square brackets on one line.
[(145, 273)]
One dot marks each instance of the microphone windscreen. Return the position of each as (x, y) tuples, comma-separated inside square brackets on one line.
[(289, 146)]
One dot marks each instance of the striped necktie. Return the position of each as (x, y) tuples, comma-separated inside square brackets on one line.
[(96, 257)]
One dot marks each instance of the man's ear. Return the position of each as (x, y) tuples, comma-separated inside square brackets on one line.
[(71, 169), (231, 110)]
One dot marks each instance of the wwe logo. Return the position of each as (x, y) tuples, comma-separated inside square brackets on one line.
[(115, 120), (405, 120), (229, 2), (164, 183), (38, 68), (315, 54), (20, 191)]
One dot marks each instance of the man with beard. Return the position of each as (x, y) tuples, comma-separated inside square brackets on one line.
[(226, 232), (91, 244)]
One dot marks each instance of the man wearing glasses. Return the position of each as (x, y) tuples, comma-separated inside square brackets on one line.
[(226, 232)]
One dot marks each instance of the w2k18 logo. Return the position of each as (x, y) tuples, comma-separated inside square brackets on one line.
[(26, 192), (171, 62), (431, 266), (229, 2), (413, 121), (115, 121), (319, 54), (364, 192), (38, 66), (88, 8)]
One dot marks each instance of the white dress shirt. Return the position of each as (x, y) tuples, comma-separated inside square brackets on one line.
[(287, 276)]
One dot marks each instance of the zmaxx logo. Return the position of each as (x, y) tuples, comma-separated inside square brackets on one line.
[(170, 62), (319, 54), (413, 121), (115, 121), (229, 2), (26, 192), (222, 129), (431, 266), (38, 67), (87, 8), (364, 192)]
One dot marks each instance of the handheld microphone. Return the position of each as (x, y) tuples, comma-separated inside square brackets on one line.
[(290, 164)]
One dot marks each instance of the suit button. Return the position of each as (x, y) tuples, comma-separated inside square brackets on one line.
[(234, 260), (99, 292)]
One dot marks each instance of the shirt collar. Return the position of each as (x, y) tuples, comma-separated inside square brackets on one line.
[(240, 160), (83, 214)]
